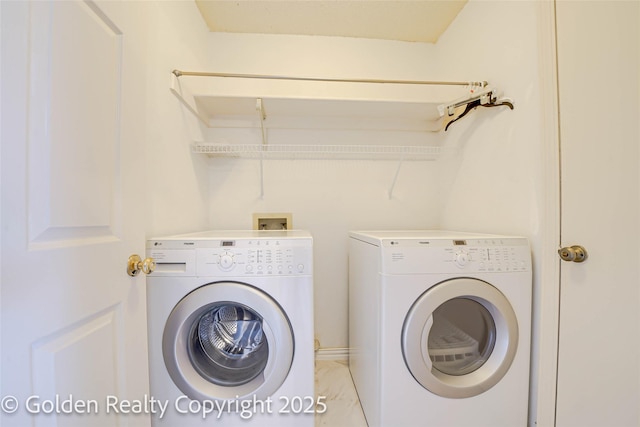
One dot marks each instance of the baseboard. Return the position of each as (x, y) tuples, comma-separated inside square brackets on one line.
[(335, 353)]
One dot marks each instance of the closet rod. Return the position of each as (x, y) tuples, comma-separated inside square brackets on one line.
[(179, 73)]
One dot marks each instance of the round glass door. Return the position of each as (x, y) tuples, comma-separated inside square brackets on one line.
[(227, 340), (460, 337)]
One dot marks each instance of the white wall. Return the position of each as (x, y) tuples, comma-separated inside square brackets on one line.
[(177, 186), (498, 171)]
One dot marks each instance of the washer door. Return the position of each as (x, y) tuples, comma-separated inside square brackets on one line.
[(460, 337), (227, 340)]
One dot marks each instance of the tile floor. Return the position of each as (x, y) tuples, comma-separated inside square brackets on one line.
[(333, 380)]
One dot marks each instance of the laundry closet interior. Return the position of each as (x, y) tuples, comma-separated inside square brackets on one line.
[(345, 133), (345, 145)]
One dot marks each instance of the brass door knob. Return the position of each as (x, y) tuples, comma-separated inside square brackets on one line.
[(135, 265), (575, 253)]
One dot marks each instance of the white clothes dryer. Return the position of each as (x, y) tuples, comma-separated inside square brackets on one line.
[(230, 323), (440, 328)]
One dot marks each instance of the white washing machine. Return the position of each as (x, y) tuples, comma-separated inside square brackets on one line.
[(440, 328), (230, 322)]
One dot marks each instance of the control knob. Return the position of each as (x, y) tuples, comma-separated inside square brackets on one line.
[(462, 258), (226, 261)]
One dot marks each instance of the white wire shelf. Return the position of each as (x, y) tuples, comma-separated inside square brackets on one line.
[(308, 151)]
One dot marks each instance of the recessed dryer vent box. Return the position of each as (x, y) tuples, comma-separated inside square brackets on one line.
[(272, 221)]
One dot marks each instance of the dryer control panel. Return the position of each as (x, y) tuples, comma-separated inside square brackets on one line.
[(451, 253), (226, 257), (455, 256)]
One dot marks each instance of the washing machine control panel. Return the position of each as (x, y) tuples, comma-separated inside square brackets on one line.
[(262, 260), (240, 257)]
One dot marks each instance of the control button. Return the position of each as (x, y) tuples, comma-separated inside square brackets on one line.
[(300, 268), (249, 267)]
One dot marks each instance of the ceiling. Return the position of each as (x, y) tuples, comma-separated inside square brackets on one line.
[(412, 21)]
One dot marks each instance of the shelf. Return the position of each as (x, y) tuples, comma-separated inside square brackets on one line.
[(239, 101), (230, 101), (299, 113), (399, 153), (300, 151)]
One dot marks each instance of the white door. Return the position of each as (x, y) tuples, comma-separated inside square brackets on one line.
[(599, 344), (73, 321)]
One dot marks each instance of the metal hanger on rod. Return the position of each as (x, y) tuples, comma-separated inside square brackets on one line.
[(486, 98)]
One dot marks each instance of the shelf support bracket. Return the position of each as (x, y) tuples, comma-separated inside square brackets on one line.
[(395, 177), (186, 99), (261, 178), (263, 117)]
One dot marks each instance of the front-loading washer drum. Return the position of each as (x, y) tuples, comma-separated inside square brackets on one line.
[(227, 344), (228, 340), (460, 337)]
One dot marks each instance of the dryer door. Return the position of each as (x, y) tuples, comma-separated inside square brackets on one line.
[(228, 340), (460, 337)]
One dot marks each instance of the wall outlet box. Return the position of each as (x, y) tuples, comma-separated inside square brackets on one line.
[(272, 221)]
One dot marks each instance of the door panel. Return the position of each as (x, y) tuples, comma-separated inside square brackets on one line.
[(58, 358), (73, 122), (73, 321), (598, 61)]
